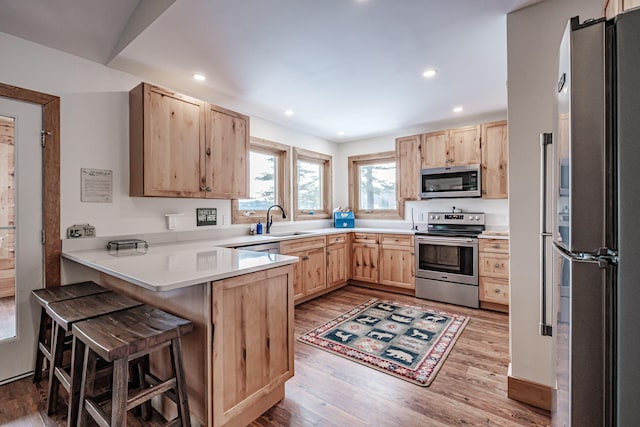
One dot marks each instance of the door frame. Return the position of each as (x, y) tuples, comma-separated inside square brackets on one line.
[(51, 176)]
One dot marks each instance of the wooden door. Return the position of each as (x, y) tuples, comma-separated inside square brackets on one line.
[(173, 139), (227, 154), (408, 167), (495, 157), (365, 262), (253, 342), (337, 265), (315, 269), (397, 267), (434, 149), (464, 146)]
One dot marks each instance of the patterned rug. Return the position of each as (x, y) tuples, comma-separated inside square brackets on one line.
[(406, 341)]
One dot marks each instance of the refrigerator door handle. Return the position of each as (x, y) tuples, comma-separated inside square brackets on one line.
[(603, 256), (545, 328)]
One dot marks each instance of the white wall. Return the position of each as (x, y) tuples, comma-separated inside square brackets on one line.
[(533, 38), (95, 134)]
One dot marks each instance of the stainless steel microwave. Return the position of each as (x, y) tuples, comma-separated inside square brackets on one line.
[(455, 181)]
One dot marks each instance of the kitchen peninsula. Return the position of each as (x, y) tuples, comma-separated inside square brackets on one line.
[(240, 352)]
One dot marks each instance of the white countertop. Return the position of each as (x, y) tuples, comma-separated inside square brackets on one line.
[(177, 265)]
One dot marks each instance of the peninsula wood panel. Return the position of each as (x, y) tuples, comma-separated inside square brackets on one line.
[(434, 149), (227, 152), (464, 146), (495, 158), (408, 167)]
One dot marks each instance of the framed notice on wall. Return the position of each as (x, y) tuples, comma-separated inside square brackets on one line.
[(206, 216), (96, 185)]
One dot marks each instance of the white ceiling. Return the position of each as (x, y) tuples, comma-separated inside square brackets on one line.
[(341, 65)]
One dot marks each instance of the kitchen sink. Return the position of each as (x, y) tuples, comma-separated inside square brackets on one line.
[(289, 233)]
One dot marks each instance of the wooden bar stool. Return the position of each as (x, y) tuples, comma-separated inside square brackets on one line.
[(64, 314), (46, 296), (120, 338)]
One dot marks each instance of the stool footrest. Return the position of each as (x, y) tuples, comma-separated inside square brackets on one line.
[(139, 397), (154, 381), (98, 415)]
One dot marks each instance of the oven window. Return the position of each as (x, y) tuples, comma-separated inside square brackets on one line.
[(445, 258)]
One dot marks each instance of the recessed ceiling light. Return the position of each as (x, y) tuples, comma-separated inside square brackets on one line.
[(428, 73), (289, 113), (457, 109), (341, 133), (199, 77)]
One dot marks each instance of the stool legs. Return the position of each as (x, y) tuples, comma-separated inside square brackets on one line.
[(57, 346), (87, 382), (42, 336), (181, 386), (120, 389), (77, 360)]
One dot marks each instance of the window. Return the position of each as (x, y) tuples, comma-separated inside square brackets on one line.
[(268, 182), (312, 189), (372, 186)]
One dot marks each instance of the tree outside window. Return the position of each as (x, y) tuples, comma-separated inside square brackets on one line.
[(372, 186), (262, 183), (309, 186), (312, 185)]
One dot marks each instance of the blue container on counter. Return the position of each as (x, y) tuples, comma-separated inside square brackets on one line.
[(343, 220)]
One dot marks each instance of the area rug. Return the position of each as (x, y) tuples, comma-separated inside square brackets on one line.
[(406, 341)]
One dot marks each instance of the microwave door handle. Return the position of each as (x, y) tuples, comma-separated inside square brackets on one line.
[(546, 140)]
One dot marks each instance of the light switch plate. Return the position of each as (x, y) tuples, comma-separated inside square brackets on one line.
[(81, 230)]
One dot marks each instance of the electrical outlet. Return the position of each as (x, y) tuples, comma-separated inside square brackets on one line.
[(81, 230)]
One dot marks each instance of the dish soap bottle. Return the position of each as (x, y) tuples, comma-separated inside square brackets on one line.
[(259, 227)]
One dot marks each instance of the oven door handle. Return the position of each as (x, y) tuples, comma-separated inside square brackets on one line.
[(448, 240)]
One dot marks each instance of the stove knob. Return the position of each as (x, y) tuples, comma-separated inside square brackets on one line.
[(433, 217), (477, 217), (437, 216)]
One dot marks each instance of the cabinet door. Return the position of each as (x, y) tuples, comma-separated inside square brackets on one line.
[(408, 167), (227, 154), (397, 267), (464, 146), (494, 265), (337, 265), (315, 269), (298, 275), (434, 149), (253, 340), (365, 262), (495, 156), (173, 140), (494, 290)]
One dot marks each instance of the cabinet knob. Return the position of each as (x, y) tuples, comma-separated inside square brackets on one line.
[(496, 246), (328, 253), (209, 151), (497, 291), (304, 258), (203, 188), (497, 266)]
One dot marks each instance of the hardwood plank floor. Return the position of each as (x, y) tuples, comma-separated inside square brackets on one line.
[(328, 390)]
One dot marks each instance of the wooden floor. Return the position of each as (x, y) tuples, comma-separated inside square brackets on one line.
[(328, 390)]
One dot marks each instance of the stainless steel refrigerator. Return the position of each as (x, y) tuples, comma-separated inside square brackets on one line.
[(590, 226)]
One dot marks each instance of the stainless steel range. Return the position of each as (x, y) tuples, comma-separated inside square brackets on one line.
[(447, 258)]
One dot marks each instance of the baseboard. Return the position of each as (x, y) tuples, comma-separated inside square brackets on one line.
[(528, 392), (387, 288)]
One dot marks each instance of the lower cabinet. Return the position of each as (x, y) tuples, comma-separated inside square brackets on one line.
[(338, 256), (311, 270), (493, 272), (397, 261), (364, 251)]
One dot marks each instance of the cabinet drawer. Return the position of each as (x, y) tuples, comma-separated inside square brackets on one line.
[(494, 290), (295, 245), (336, 239), (365, 237), (494, 265), (396, 240), (494, 245)]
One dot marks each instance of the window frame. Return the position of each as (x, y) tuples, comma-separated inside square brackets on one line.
[(354, 163), (282, 154), (326, 168)]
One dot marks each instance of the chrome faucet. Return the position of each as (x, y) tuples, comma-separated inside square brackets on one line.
[(270, 220)]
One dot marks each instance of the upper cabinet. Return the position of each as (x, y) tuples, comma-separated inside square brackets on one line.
[(184, 147), (495, 156), (408, 167), (452, 147)]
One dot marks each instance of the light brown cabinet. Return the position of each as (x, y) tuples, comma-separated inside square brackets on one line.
[(408, 168), (183, 147), (452, 147), (364, 250), (494, 274), (495, 158), (310, 272), (338, 256), (397, 261)]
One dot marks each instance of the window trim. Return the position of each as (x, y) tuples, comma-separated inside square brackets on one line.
[(326, 162), (354, 195), (282, 153)]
